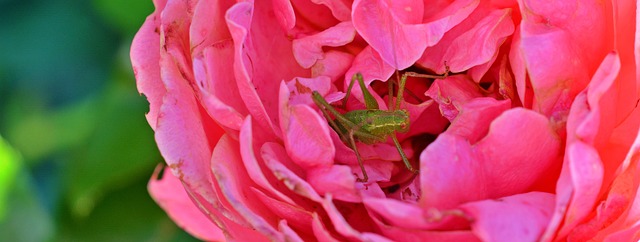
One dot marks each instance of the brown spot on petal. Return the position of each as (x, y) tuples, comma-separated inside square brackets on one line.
[(302, 88)]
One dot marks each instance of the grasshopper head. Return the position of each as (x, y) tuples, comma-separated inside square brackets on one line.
[(403, 120)]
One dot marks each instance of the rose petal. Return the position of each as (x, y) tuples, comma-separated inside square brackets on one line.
[(308, 50), (337, 180), (312, 16), (475, 117), (183, 134), (458, 172), (557, 79), (255, 72), (298, 217), (620, 209), (320, 231), (146, 66), (452, 93), (300, 89), (403, 234), (284, 13), (278, 162), (394, 31), (307, 145), (169, 193), (289, 234), (340, 9), (475, 42), (522, 216), (334, 65), (208, 25), (585, 130), (532, 160), (425, 118), (344, 227), (219, 93), (226, 166), (410, 216), (252, 164)]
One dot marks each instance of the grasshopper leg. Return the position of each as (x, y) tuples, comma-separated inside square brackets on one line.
[(352, 142), (404, 157)]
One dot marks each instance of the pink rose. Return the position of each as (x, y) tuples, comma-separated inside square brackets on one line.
[(532, 137)]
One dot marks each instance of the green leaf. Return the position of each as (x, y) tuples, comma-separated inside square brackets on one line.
[(120, 150), (125, 214), (40, 133), (125, 15), (9, 163), (26, 219)]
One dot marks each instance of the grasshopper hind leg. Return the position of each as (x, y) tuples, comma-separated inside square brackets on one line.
[(404, 157), (352, 143)]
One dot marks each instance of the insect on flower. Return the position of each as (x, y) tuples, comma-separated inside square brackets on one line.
[(371, 125)]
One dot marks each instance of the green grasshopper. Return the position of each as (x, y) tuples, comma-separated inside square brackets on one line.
[(371, 125)]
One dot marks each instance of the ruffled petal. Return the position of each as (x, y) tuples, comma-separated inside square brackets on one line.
[(459, 172), (474, 43), (556, 79), (169, 193), (146, 66), (522, 216), (308, 50), (306, 134), (395, 31)]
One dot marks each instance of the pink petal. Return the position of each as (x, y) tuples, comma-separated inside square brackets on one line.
[(208, 26), (308, 50), (557, 79), (523, 216), (284, 13), (452, 93), (393, 28), (336, 180), (252, 164), (236, 194), (184, 135), (410, 216), (289, 234), (169, 193), (519, 70), (475, 117), (256, 74), (620, 209), (321, 232), (278, 162), (475, 42), (219, 92), (449, 168), (586, 180), (459, 172), (403, 234), (625, 20), (334, 65), (533, 161), (339, 8), (146, 66), (313, 17), (344, 227), (296, 216), (425, 118), (628, 234), (306, 134), (300, 89), (372, 67), (585, 132)]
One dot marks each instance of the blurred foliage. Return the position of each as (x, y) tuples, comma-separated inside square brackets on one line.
[(77, 151)]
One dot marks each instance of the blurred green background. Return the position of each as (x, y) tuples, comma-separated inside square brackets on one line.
[(76, 152)]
